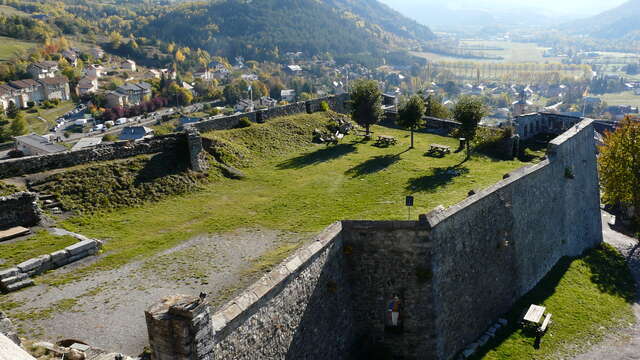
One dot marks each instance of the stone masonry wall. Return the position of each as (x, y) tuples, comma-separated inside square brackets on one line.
[(118, 150), (19, 209), (495, 246), (455, 272), (386, 258), (336, 103), (300, 310)]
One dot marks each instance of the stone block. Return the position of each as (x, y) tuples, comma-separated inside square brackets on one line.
[(30, 264), (231, 312), (7, 273), (80, 247), (218, 322), (14, 279), (77, 257), (294, 264), (245, 300), (58, 256), (19, 285)]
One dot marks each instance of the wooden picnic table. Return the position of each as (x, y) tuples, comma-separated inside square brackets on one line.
[(534, 314), (439, 149), (386, 140)]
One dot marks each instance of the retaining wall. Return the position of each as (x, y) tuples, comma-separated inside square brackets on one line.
[(118, 150), (337, 103), (455, 272), (18, 277), (19, 209)]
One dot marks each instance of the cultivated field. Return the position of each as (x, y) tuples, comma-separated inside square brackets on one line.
[(622, 98), (511, 52)]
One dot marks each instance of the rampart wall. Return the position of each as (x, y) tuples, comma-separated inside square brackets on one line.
[(114, 151), (337, 103), (19, 209), (454, 272)]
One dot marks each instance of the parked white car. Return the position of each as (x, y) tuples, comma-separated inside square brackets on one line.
[(121, 121), (98, 127)]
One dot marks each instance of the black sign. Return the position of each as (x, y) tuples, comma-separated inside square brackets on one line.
[(409, 201)]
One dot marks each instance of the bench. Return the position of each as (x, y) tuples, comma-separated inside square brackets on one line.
[(386, 140), (545, 324), (437, 149)]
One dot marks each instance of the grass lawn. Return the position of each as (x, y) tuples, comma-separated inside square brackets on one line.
[(621, 98), (39, 126), (9, 46), (588, 297), (295, 188), (41, 243)]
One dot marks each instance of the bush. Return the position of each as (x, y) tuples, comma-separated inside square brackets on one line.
[(15, 154), (243, 123), (324, 106), (110, 138), (30, 104)]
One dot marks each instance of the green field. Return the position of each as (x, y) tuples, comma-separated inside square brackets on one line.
[(41, 243), (511, 52), (294, 186), (39, 126), (622, 98), (9, 46), (588, 298)]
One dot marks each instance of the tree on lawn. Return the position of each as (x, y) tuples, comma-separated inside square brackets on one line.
[(469, 111), (410, 114), (12, 110), (366, 104), (620, 166), (18, 125)]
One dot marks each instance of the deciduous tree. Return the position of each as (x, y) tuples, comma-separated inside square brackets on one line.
[(410, 114), (366, 104), (620, 166), (469, 111)]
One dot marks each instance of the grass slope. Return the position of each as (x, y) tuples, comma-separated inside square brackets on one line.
[(41, 243), (292, 185), (40, 126), (588, 297), (9, 46)]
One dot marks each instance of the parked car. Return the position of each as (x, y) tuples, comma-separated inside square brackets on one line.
[(98, 127), (109, 123)]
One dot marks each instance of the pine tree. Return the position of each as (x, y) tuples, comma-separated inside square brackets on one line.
[(18, 125)]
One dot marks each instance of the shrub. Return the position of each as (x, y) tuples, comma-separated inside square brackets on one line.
[(15, 154), (324, 106), (110, 138), (243, 123)]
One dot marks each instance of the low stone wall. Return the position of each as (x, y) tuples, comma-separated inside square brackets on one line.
[(118, 150), (336, 103), (19, 276), (19, 209)]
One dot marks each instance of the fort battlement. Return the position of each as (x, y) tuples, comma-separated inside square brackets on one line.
[(448, 276)]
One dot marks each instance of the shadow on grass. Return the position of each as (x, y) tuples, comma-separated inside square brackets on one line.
[(316, 157), (609, 273), (161, 165), (373, 165), (439, 178)]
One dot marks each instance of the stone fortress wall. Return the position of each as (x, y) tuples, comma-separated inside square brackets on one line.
[(190, 139), (19, 209), (455, 272), (530, 125)]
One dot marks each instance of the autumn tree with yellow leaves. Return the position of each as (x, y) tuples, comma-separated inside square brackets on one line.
[(619, 164)]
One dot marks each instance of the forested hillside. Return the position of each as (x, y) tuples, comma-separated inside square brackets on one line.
[(261, 30), (617, 23)]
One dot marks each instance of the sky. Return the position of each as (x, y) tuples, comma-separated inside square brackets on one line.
[(582, 7)]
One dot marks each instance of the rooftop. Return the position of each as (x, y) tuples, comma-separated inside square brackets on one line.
[(40, 143)]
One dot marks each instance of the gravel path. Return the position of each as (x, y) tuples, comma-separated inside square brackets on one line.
[(627, 345), (107, 308)]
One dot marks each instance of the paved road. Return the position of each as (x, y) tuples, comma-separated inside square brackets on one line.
[(626, 347)]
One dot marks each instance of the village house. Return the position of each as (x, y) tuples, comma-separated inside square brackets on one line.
[(94, 71), (203, 74), (28, 92), (87, 85), (267, 102), (43, 69), (129, 65), (288, 95), (129, 95), (96, 53), (33, 144), (244, 105), (71, 56), (293, 69)]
